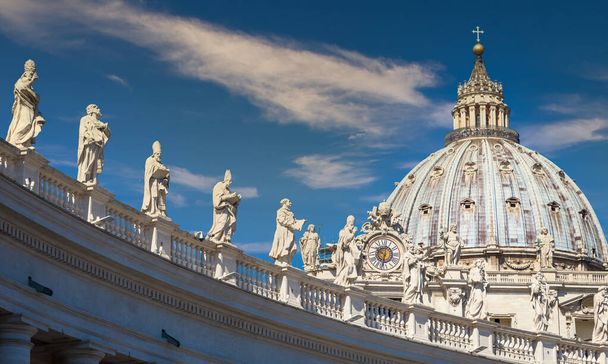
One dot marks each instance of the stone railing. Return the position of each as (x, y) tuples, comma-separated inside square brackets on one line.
[(582, 277), (287, 285), (511, 344)]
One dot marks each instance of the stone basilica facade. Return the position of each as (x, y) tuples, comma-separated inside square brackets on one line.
[(485, 252), (509, 208)]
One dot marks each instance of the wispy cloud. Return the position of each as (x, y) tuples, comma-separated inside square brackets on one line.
[(255, 247), (184, 177), (177, 199), (329, 171), (563, 134), (375, 198), (117, 79), (325, 88), (408, 164)]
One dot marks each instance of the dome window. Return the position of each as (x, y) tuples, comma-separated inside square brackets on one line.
[(554, 207), (436, 173), (513, 204), (537, 168), (467, 204), (584, 213), (425, 209), (409, 180), (505, 167)]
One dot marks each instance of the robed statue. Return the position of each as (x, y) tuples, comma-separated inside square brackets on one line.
[(156, 184), (225, 203), (543, 300), (413, 275), (600, 316), (27, 121), (284, 242), (309, 244), (452, 244), (92, 138), (545, 246), (347, 254), (478, 282)]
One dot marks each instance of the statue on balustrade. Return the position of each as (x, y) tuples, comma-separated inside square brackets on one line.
[(92, 138), (476, 304), (600, 316), (414, 272), (225, 203), (545, 246), (347, 254), (310, 244), (284, 242), (543, 300), (27, 121), (452, 245), (156, 184)]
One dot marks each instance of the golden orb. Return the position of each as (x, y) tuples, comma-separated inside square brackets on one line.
[(478, 49)]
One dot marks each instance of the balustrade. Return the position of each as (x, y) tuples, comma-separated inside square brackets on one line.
[(576, 353), (385, 317), (514, 345), (188, 252), (324, 300), (449, 332), (127, 223), (256, 277), (62, 191)]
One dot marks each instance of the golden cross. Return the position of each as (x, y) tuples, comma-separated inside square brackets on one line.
[(478, 31)]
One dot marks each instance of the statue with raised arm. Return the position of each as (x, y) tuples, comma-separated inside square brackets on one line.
[(27, 121), (452, 244), (156, 184), (476, 304), (284, 242), (545, 246), (347, 254), (309, 244), (543, 300), (92, 138), (600, 316), (225, 203)]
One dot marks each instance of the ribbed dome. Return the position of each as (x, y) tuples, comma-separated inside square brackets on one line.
[(496, 190)]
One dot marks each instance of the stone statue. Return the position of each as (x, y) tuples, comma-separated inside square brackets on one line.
[(600, 316), (543, 300), (413, 274), (92, 137), (544, 246), (284, 242), (451, 244), (310, 244), (225, 203), (156, 184), (382, 218), (476, 305), (27, 121), (347, 254)]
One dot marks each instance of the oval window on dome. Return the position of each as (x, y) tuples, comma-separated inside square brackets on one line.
[(513, 204), (467, 205), (537, 168), (425, 209), (554, 207)]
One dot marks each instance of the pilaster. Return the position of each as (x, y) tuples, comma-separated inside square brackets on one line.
[(15, 340), (482, 337), (546, 348), (290, 290), (418, 322), (225, 266), (354, 306), (160, 241), (27, 169), (96, 200)]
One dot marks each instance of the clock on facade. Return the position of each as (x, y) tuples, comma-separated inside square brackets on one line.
[(383, 253)]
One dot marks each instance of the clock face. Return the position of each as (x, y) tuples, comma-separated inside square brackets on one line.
[(383, 254)]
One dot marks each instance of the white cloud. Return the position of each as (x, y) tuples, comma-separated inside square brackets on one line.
[(327, 171), (177, 199), (184, 177), (117, 79), (563, 134), (329, 88), (408, 164), (255, 247)]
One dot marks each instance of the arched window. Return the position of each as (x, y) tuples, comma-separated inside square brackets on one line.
[(467, 205), (425, 209)]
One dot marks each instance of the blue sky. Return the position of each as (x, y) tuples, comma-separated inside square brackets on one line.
[(327, 103)]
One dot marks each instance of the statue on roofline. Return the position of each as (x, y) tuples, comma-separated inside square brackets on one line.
[(27, 121), (156, 184), (451, 244), (225, 204), (92, 138), (347, 254), (284, 243), (309, 245)]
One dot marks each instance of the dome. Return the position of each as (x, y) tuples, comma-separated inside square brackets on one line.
[(497, 192)]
